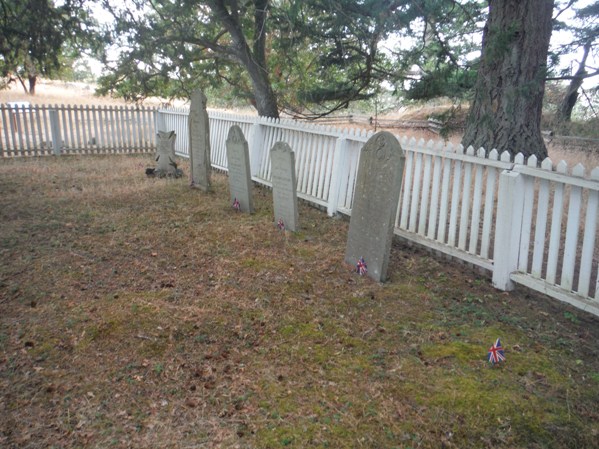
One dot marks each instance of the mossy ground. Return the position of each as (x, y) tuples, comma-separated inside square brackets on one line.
[(138, 312)]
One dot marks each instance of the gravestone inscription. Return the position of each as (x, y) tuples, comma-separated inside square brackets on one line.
[(199, 141), (284, 183), (238, 163), (165, 153), (374, 209)]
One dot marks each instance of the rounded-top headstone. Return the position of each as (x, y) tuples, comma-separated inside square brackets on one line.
[(284, 185), (374, 208), (238, 163)]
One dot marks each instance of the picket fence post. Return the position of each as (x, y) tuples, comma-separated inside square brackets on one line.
[(256, 147), (55, 130), (510, 211)]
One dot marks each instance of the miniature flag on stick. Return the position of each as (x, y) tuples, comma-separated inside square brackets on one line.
[(496, 353), (281, 225), (361, 267), (236, 205)]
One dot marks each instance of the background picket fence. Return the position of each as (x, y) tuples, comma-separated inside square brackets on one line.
[(39, 130), (525, 222)]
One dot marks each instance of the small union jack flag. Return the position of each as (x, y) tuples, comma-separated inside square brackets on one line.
[(281, 225), (361, 267), (496, 353), (236, 205)]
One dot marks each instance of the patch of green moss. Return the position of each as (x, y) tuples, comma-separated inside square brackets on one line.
[(459, 350), (130, 321)]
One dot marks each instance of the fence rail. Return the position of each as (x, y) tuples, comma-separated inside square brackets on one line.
[(39, 130), (527, 223)]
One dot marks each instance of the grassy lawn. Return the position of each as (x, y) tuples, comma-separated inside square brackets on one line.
[(136, 312)]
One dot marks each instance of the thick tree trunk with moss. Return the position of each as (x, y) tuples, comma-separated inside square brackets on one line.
[(506, 110)]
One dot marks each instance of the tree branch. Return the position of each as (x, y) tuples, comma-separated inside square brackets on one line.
[(572, 77)]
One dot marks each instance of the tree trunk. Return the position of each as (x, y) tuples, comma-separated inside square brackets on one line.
[(266, 101), (253, 59), (32, 83), (505, 113), (22, 83), (564, 113)]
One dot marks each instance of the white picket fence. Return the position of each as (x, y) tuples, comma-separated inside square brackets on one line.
[(527, 225), (535, 226), (39, 130)]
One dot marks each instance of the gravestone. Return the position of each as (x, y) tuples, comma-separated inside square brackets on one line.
[(238, 162), (375, 204), (165, 154), (199, 142), (284, 183)]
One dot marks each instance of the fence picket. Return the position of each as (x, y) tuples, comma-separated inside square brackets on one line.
[(407, 189), (118, 121), (103, 140), (465, 206), (572, 228), (87, 131), (588, 240), (20, 130), (434, 207), (426, 185), (529, 196), (80, 127), (455, 202), (47, 129), (139, 137), (541, 222), (326, 188), (303, 143), (351, 182), (6, 125), (444, 209), (490, 190), (13, 132), (317, 184), (131, 131), (33, 134), (64, 132), (416, 183), (556, 227), (74, 145), (476, 204)]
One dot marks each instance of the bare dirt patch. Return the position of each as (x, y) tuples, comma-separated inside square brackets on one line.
[(136, 312)]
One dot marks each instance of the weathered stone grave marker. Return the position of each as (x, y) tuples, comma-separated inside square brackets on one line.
[(282, 159), (165, 154), (238, 162), (199, 141), (375, 204)]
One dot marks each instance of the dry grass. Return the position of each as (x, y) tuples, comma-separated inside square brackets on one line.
[(136, 312), (61, 92)]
